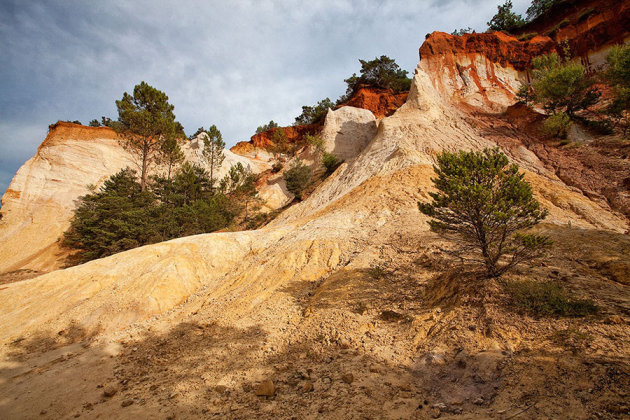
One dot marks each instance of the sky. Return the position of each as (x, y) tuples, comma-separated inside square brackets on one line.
[(233, 63)]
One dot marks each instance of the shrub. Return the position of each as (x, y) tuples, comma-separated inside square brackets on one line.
[(314, 114), (95, 123), (316, 141), (121, 216), (557, 125), (485, 202), (276, 167), (462, 31), (271, 124), (618, 75), (330, 162), (297, 178), (281, 143), (505, 19), (538, 7), (562, 86), (547, 298), (381, 72)]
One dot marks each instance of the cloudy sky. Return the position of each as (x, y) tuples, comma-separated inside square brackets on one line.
[(233, 63)]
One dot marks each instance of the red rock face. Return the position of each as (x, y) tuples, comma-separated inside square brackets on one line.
[(382, 102), (497, 47), (587, 25), (265, 139)]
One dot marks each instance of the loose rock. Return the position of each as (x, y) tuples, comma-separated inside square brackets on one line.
[(266, 389)]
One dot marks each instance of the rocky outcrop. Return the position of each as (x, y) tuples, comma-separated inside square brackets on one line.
[(590, 27), (483, 70), (381, 102), (293, 133), (347, 131), (38, 205)]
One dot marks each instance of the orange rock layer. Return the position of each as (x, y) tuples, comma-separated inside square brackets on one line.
[(587, 25), (497, 47), (61, 131), (382, 102), (293, 133)]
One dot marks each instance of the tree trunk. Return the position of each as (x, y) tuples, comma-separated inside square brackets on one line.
[(143, 175)]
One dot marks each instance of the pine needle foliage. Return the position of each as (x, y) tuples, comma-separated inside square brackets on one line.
[(485, 202)]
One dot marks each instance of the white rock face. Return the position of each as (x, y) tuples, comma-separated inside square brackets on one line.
[(41, 198), (347, 131), (193, 150)]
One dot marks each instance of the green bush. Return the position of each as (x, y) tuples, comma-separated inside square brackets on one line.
[(485, 202), (505, 19), (314, 114), (462, 31), (618, 76), (121, 216), (298, 178), (330, 162), (562, 86), (557, 125), (381, 72), (547, 298), (95, 123), (276, 167), (271, 124)]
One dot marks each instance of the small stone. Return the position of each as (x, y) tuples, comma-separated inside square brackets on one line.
[(110, 391), (478, 401), (126, 403), (614, 320), (266, 389), (220, 389), (440, 406), (348, 378), (307, 387), (43, 412)]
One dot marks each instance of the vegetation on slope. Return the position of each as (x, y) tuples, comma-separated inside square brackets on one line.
[(486, 203)]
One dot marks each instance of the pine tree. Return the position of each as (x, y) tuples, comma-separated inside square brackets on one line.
[(485, 202), (146, 120), (505, 19), (213, 146)]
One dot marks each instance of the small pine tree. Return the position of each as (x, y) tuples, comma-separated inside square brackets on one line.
[(382, 72), (314, 114), (262, 128), (486, 202), (95, 123), (213, 146), (298, 178), (505, 19), (171, 154)]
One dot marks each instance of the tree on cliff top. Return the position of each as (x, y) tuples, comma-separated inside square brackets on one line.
[(538, 7), (505, 19), (314, 114), (381, 72), (146, 120), (485, 202)]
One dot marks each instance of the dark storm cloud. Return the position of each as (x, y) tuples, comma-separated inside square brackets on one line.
[(236, 64)]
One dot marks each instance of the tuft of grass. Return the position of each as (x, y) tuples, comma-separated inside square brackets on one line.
[(377, 272), (547, 298)]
